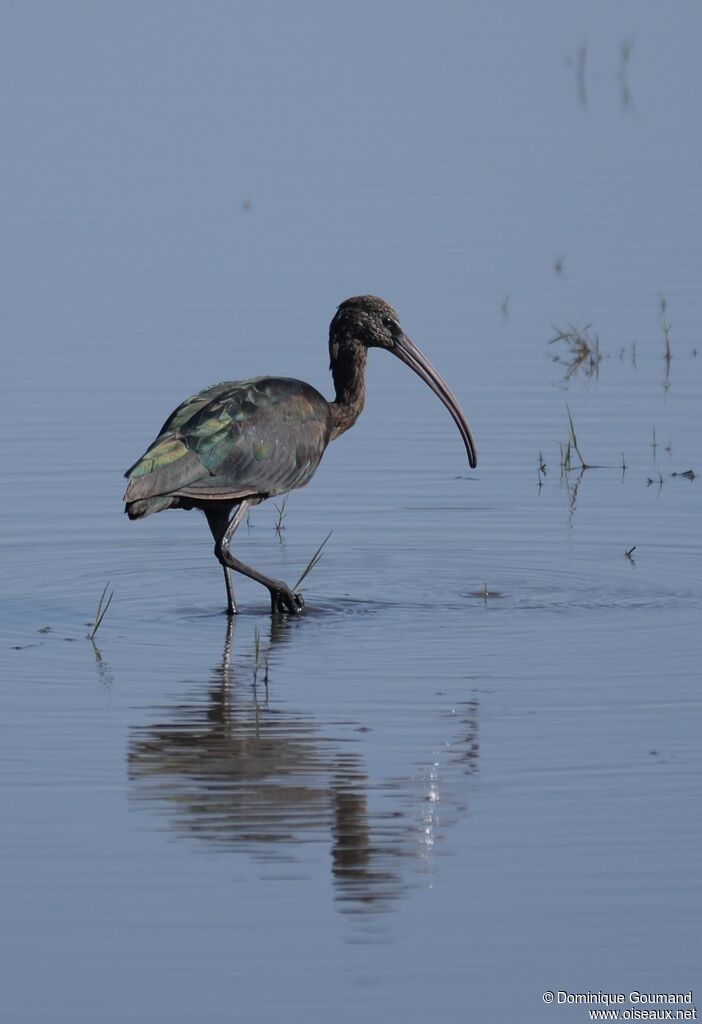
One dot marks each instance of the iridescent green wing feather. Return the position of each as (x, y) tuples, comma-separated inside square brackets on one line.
[(196, 403), (254, 437)]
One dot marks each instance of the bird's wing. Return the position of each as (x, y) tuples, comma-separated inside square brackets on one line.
[(188, 409), (255, 437)]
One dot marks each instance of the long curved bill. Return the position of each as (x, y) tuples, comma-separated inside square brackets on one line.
[(406, 350)]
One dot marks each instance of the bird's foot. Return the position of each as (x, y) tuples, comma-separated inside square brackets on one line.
[(283, 601)]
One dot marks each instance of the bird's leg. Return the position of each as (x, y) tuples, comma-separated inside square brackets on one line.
[(282, 597), (231, 601), (218, 522)]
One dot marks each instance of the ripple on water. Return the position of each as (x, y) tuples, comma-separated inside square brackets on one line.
[(153, 607), (564, 592)]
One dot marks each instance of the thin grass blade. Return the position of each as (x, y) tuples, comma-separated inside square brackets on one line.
[(313, 560), (101, 612)]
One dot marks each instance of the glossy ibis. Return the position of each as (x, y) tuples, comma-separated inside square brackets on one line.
[(235, 444)]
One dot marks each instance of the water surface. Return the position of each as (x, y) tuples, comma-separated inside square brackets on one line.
[(469, 772)]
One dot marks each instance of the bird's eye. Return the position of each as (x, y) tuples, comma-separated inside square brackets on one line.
[(389, 322)]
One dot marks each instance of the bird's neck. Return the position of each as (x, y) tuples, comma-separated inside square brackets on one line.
[(348, 367)]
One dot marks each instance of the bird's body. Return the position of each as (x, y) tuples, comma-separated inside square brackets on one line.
[(239, 439), (237, 443)]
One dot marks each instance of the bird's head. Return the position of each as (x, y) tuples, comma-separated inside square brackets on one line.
[(366, 321)]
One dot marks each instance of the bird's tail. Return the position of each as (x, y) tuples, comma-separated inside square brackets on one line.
[(147, 506)]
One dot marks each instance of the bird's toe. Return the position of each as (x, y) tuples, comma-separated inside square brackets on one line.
[(285, 602)]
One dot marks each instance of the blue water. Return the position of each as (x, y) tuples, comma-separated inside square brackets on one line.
[(469, 773)]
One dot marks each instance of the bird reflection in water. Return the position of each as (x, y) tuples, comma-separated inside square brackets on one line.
[(235, 768)]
